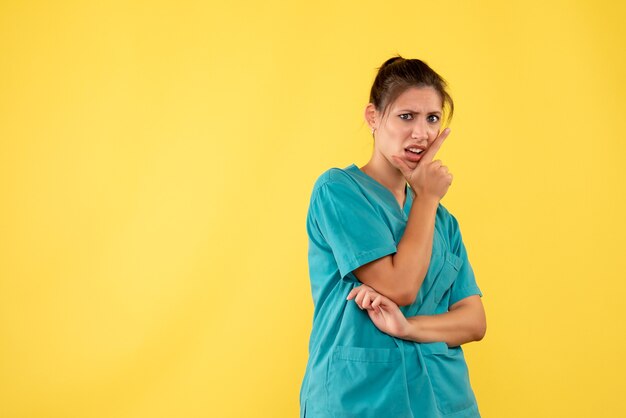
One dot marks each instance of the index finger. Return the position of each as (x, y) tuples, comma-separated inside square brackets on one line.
[(354, 292), (430, 153)]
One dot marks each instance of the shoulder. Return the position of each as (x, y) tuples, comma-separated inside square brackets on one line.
[(334, 181), (336, 190), (333, 175)]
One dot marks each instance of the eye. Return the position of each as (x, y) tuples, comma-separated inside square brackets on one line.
[(406, 114), (433, 118)]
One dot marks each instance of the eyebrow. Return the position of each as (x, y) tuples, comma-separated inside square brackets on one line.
[(415, 111)]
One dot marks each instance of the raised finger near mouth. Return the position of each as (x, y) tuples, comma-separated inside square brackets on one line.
[(430, 153)]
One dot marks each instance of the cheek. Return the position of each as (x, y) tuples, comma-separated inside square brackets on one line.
[(401, 130), (433, 132)]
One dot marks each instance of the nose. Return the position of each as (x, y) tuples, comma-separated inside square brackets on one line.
[(420, 130)]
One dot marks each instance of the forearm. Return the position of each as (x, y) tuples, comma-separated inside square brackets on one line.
[(412, 258), (456, 327)]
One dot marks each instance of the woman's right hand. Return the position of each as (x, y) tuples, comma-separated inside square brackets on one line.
[(429, 178)]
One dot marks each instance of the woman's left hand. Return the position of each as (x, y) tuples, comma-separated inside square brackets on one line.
[(383, 312)]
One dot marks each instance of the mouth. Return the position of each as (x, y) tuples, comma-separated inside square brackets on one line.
[(413, 154)]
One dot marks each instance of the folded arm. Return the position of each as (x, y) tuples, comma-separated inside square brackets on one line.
[(464, 322)]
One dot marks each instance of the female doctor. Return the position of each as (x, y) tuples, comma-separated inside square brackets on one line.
[(394, 293)]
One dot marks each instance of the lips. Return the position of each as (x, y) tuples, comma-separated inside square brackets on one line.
[(411, 156)]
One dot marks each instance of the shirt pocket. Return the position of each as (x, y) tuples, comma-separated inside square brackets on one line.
[(448, 275), (449, 377), (441, 285), (367, 382)]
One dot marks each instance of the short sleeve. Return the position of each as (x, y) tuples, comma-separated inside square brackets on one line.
[(350, 225), (465, 283)]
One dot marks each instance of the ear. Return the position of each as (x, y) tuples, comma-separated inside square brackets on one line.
[(371, 116)]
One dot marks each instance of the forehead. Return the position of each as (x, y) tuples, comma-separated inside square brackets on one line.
[(421, 99)]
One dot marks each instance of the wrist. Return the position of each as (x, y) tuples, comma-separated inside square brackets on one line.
[(412, 329), (425, 201)]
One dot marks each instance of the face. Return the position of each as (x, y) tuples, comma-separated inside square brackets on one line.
[(412, 120)]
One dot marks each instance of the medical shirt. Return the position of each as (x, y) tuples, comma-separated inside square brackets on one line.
[(354, 369)]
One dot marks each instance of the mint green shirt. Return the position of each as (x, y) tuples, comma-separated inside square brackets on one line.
[(354, 369)]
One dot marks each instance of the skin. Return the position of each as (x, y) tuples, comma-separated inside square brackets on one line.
[(414, 118)]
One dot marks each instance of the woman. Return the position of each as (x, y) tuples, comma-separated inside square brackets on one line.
[(394, 293)]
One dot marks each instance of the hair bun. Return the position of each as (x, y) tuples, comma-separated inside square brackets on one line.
[(391, 61)]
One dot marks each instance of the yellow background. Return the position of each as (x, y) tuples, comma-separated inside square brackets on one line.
[(156, 163)]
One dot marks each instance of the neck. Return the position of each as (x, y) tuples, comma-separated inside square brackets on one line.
[(382, 171)]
